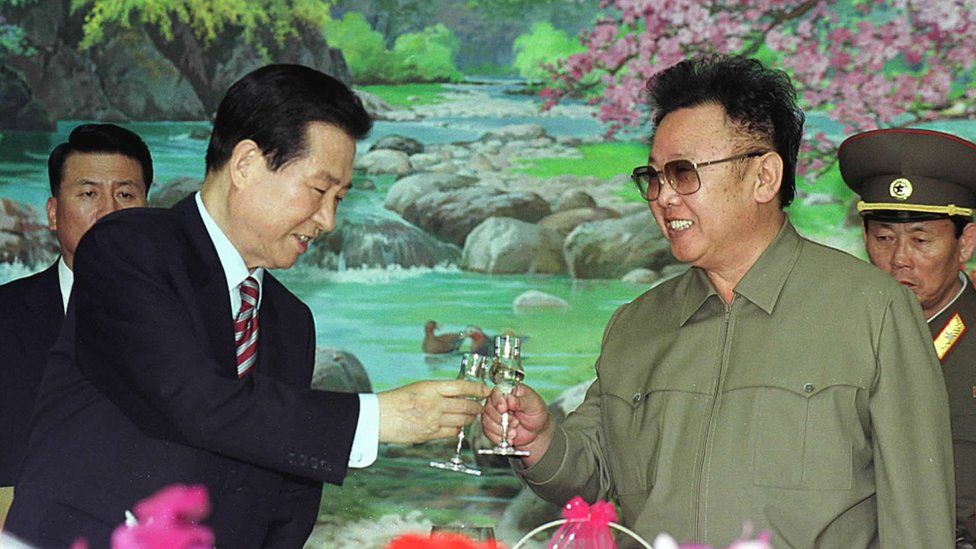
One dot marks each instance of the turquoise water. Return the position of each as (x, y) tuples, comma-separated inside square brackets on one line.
[(378, 315)]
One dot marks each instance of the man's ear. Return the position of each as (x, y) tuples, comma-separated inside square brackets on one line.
[(967, 242), (769, 178), (52, 213), (246, 161)]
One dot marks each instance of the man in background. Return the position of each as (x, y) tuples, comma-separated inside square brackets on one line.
[(100, 169), (184, 360), (918, 192), (777, 383)]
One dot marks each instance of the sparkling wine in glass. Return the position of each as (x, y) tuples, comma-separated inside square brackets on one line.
[(506, 372), (473, 368)]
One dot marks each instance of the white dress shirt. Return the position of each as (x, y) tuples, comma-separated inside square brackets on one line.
[(66, 279), (366, 441)]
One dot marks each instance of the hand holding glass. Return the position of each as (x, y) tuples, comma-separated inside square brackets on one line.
[(473, 368), (506, 372)]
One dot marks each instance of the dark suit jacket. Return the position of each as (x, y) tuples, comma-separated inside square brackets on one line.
[(31, 313), (141, 391)]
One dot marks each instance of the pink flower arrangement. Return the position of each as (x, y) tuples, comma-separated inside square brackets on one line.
[(440, 541), (169, 519)]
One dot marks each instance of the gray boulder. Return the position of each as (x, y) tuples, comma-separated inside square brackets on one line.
[(534, 299), (406, 191), (384, 161), (573, 199), (362, 241), (563, 222), (614, 247), (642, 276), (340, 371), (167, 194), (506, 245), (450, 216), (424, 161), (376, 107), (515, 132), (24, 238), (399, 143)]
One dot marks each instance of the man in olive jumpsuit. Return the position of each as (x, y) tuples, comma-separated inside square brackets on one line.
[(777, 383), (918, 192)]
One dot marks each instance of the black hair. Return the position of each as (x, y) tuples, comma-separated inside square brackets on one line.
[(273, 107), (99, 139), (959, 222), (762, 101)]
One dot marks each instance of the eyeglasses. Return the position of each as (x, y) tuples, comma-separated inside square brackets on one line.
[(681, 174)]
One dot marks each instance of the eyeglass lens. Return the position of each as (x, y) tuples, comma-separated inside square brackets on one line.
[(681, 174)]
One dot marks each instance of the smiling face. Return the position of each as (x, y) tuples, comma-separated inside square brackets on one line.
[(924, 256), (276, 213), (713, 227), (92, 185)]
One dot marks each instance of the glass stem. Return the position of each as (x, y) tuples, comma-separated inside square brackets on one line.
[(504, 441), (457, 451)]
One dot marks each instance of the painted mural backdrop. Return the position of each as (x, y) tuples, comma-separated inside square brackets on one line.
[(493, 194)]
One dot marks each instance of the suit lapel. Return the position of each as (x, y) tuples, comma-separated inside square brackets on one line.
[(210, 284)]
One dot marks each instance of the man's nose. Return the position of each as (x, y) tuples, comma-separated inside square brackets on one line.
[(325, 216), (109, 203), (666, 195), (901, 258)]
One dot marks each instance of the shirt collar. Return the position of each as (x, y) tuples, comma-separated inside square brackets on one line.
[(965, 282), (235, 270), (66, 279), (761, 285)]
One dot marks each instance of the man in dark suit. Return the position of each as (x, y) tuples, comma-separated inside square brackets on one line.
[(183, 360), (100, 169)]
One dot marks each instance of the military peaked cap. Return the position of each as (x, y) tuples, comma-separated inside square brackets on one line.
[(907, 174)]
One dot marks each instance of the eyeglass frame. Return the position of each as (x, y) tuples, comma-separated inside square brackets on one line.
[(641, 171)]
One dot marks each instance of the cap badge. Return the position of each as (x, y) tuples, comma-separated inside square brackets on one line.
[(900, 189)]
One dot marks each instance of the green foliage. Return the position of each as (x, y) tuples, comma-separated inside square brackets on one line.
[(425, 56), (828, 220), (273, 20), (13, 41), (367, 57), (602, 160), (543, 44)]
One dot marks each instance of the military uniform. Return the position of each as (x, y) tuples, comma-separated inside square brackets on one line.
[(909, 175), (954, 334), (784, 409)]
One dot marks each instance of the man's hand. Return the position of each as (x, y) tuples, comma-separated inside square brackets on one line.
[(427, 410), (530, 427)]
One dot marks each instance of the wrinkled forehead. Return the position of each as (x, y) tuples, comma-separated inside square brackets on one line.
[(691, 131)]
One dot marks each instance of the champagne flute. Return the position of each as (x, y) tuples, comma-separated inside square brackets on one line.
[(473, 368), (506, 372)]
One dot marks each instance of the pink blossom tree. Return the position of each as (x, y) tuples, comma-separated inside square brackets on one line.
[(866, 63)]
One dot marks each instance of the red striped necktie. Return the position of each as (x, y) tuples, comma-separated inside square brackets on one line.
[(246, 327)]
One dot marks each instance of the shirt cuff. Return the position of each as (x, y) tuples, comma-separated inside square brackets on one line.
[(367, 440)]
